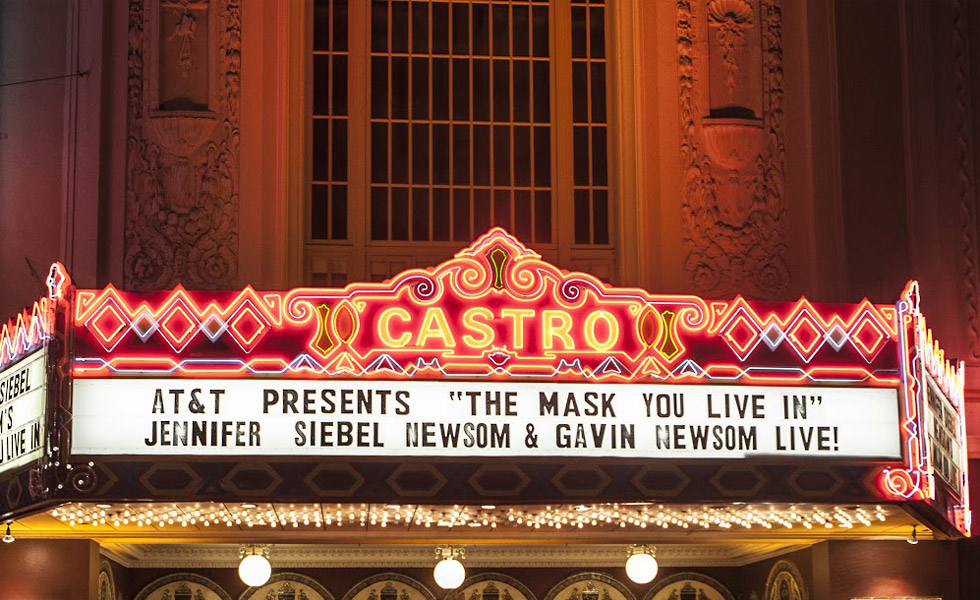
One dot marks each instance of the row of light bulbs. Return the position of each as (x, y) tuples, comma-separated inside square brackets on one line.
[(449, 572), (604, 516)]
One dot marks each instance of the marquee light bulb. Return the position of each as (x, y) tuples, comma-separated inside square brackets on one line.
[(641, 566), (255, 569)]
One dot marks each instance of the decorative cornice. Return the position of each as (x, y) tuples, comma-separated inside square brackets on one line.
[(218, 556)]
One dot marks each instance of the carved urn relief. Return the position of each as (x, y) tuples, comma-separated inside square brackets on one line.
[(182, 150), (732, 149)]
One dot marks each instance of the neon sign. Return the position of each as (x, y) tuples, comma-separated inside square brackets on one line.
[(497, 312)]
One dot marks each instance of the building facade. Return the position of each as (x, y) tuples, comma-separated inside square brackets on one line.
[(769, 149)]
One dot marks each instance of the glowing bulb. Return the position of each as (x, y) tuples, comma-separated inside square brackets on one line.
[(449, 573), (912, 539), (642, 567), (8, 538), (254, 570)]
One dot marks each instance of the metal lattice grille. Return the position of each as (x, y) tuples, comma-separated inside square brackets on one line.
[(460, 120), (328, 206), (590, 122)]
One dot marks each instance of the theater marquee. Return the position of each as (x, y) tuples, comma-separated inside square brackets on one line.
[(497, 357)]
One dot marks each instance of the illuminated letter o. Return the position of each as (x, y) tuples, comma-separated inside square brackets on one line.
[(590, 327)]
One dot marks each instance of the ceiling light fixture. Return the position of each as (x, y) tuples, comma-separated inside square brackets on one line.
[(641, 566), (913, 539), (8, 538), (255, 569), (449, 572)]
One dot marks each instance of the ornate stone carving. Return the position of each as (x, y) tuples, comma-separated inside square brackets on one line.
[(965, 179), (734, 216), (183, 146), (730, 19)]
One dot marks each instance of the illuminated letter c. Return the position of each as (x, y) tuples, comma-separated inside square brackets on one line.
[(384, 330)]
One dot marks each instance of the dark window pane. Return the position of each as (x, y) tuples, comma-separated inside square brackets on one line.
[(399, 213), (379, 213), (420, 153), (321, 85), (522, 215), (420, 27), (582, 221), (440, 89), (440, 154), (542, 156), (481, 89), (338, 210), (461, 215), (542, 92), (520, 36), (340, 25), (399, 26), (539, 16), (581, 151), (542, 217), (461, 88), (440, 214), (598, 92), (482, 211), (339, 77), (522, 91), (379, 26), (320, 212), (600, 216), (481, 155), (461, 28), (339, 150), (522, 156), (599, 156), (321, 149), (501, 155), (399, 87), (501, 30), (501, 209), (501, 90), (597, 32), (580, 92), (379, 153), (321, 25), (379, 87), (481, 30), (440, 28), (580, 46), (399, 153), (461, 154), (420, 88), (420, 214)]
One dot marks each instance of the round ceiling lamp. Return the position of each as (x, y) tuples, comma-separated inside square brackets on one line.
[(449, 572), (641, 566), (255, 569), (8, 538), (912, 539)]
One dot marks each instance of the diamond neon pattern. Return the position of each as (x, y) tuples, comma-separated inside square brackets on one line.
[(743, 335), (178, 326), (247, 327), (109, 325), (868, 337), (806, 335)]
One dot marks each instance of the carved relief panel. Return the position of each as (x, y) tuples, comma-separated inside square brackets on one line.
[(589, 586), (491, 586), (182, 144), (182, 586), (785, 582), (389, 586), (688, 586), (731, 146), (288, 586)]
